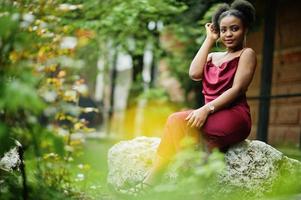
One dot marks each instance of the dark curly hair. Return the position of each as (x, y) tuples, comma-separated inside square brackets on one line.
[(241, 9)]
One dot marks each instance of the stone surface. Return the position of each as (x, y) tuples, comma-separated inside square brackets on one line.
[(255, 165), (250, 165), (10, 160), (128, 161)]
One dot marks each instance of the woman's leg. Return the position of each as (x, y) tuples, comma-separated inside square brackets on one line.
[(172, 141)]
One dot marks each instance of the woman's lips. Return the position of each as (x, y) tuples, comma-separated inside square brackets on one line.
[(229, 41)]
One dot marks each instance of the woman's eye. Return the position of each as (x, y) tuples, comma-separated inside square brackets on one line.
[(235, 28), (223, 30)]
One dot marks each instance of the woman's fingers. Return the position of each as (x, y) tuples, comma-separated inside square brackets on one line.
[(200, 124), (194, 123), (194, 120), (189, 116), (191, 120), (208, 24), (197, 125)]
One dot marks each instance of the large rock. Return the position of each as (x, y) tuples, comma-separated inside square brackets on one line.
[(128, 161), (255, 166), (251, 165)]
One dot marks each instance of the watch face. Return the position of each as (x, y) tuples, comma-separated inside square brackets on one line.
[(211, 108)]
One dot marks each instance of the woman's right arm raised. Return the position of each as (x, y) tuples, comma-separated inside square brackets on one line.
[(200, 59)]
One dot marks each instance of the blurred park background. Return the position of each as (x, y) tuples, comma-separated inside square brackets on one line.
[(76, 76)]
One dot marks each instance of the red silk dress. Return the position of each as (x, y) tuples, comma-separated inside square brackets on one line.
[(223, 128)]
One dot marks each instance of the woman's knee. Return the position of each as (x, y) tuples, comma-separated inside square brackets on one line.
[(177, 117)]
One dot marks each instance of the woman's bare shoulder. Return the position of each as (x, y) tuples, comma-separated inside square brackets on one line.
[(249, 52), (248, 56), (214, 54)]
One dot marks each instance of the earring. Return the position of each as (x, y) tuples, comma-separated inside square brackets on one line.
[(245, 40), (216, 43)]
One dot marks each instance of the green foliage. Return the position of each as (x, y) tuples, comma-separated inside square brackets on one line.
[(156, 94), (4, 134), (10, 186), (40, 88), (126, 19), (18, 95)]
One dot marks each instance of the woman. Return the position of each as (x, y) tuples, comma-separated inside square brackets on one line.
[(225, 118)]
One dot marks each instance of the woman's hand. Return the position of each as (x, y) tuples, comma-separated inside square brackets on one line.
[(197, 117), (211, 32)]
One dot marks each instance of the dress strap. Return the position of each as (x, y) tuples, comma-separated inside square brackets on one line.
[(242, 51)]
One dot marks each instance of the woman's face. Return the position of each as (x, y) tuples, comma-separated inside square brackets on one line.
[(232, 32)]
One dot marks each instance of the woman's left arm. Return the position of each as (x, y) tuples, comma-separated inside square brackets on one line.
[(242, 79)]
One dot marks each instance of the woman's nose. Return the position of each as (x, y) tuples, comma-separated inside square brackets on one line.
[(228, 33)]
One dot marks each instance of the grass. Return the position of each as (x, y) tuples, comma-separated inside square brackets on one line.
[(91, 164), (95, 157), (290, 151)]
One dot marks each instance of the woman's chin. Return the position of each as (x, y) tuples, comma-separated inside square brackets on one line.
[(233, 46)]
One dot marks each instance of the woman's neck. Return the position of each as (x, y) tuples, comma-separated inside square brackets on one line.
[(234, 49)]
